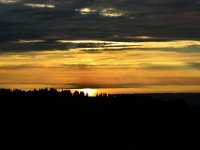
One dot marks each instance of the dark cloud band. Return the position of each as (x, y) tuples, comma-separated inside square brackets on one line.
[(116, 20)]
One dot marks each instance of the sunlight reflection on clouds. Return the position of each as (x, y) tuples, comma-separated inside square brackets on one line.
[(75, 68)]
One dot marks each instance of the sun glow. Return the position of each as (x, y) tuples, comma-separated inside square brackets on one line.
[(90, 92)]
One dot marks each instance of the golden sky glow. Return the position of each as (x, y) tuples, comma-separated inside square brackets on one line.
[(133, 70)]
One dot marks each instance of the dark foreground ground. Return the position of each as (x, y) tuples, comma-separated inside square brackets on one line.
[(48, 119)]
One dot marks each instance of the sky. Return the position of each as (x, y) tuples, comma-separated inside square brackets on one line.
[(131, 46)]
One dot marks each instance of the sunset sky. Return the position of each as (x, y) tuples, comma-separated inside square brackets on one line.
[(120, 46)]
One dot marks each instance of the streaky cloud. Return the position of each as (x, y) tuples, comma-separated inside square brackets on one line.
[(162, 44), (36, 5), (105, 12), (86, 11), (31, 41), (111, 12), (9, 1)]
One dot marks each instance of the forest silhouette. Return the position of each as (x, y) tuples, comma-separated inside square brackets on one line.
[(48, 118)]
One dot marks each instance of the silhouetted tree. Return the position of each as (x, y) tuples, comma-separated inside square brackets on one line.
[(82, 94), (76, 94)]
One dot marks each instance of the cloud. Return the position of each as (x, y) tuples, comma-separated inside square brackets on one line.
[(114, 45), (31, 41), (82, 86), (105, 12), (86, 11), (9, 1), (195, 65), (139, 37), (103, 20), (111, 12), (35, 5), (19, 67), (164, 67), (97, 46)]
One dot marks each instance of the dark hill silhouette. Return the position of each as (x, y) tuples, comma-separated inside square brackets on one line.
[(47, 118)]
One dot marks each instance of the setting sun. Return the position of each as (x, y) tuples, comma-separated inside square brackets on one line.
[(90, 92)]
